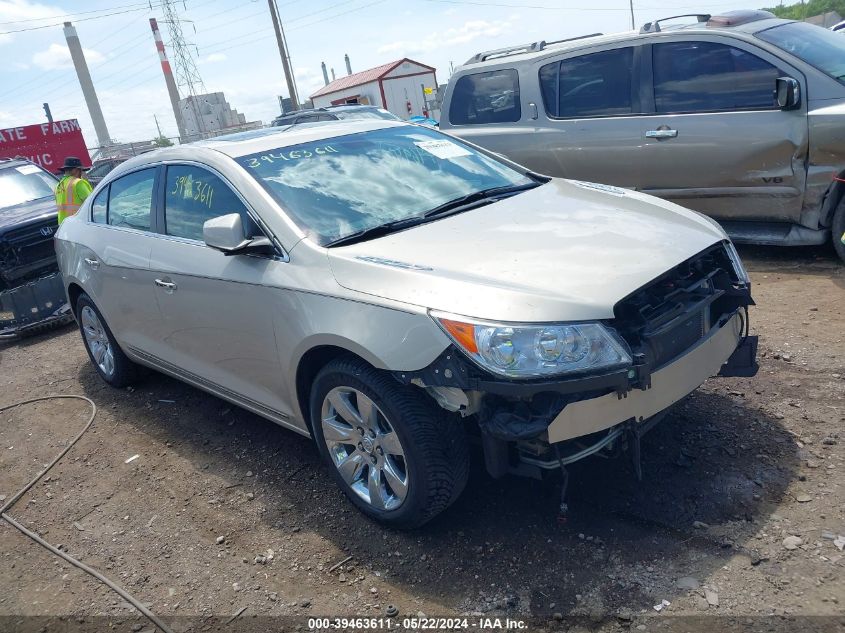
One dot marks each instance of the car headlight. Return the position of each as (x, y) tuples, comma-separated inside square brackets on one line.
[(535, 350), (736, 262)]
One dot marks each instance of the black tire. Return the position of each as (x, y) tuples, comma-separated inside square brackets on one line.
[(433, 441), (125, 371), (838, 229)]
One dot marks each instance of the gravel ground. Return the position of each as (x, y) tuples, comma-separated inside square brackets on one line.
[(739, 519)]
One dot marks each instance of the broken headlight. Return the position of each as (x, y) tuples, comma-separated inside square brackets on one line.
[(536, 350), (736, 262)]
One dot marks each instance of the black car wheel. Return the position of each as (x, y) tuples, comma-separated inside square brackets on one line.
[(394, 452)]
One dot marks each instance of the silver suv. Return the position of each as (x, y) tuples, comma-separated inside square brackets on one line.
[(390, 292), (739, 116)]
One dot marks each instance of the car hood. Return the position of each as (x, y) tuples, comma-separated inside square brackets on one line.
[(13, 217), (564, 251)]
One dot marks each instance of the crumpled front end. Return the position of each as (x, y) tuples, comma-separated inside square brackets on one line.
[(32, 294), (681, 328)]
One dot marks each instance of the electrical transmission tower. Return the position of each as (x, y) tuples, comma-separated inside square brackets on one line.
[(187, 74)]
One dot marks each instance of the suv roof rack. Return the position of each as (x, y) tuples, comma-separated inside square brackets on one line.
[(735, 18), (654, 25), (533, 47)]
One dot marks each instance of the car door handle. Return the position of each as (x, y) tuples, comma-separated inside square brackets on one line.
[(661, 133), (167, 285), (93, 263)]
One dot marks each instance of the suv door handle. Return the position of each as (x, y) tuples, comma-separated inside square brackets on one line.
[(93, 263), (662, 133), (168, 286)]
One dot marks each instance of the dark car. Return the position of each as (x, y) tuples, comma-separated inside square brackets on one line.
[(333, 113), (102, 167), (31, 292)]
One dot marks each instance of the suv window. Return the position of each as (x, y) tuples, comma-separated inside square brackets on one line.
[(708, 76), (598, 84), (194, 195), (131, 199), (490, 97)]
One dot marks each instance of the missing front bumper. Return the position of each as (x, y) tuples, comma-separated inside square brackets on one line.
[(33, 306), (668, 385)]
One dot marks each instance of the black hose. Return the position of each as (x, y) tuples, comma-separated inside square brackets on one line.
[(152, 617)]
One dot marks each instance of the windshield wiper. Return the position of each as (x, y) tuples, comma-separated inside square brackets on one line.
[(464, 203), (477, 198), (375, 231)]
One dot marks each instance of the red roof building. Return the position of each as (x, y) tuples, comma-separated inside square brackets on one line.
[(398, 86)]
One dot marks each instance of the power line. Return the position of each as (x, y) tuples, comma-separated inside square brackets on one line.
[(215, 48), (50, 85), (70, 15), (96, 17)]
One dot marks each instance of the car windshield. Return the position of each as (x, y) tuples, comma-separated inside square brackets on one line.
[(365, 113), (24, 183), (818, 47), (337, 187)]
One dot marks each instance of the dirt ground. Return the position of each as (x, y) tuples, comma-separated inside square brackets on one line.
[(736, 471)]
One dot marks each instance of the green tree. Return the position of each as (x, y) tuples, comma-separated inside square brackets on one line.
[(802, 11), (163, 141)]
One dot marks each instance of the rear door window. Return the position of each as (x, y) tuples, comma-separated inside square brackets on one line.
[(131, 199), (490, 97), (711, 77), (594, 85)]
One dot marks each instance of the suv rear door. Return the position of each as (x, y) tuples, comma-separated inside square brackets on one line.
[(717, 141), (590, 116)]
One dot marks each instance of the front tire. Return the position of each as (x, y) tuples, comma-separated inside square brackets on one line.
[(108, 359), (397, 456)]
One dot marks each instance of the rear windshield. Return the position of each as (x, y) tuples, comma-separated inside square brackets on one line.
[(338, 186), (24, 183), (821, 48)]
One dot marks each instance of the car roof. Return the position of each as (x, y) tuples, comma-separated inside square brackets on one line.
[(731, 21), (261, 140)]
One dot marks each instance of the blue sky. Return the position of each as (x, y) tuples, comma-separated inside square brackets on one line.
[(236, 51)]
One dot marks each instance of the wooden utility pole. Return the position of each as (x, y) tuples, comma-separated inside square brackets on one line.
[(283, 51)]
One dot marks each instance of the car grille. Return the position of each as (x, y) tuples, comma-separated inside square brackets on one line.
[(663, 319), (26, 251)]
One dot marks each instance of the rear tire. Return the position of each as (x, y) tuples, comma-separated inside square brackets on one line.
[(398, 456), (108, 359), (838, 229)]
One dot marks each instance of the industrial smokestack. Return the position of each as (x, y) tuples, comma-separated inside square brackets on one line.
[(78, 57), (348, 65), (325, 73), (169, 80), (333, 74)]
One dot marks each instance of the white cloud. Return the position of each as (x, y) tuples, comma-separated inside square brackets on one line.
[(14, 13), (57, 56), (18, 10), (216, 57), (469, 31)]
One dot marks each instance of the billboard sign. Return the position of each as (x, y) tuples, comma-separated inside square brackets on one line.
[(45, 144)]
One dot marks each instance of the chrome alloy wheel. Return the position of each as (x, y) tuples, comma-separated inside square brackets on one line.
[(97, 341), (364, 448)]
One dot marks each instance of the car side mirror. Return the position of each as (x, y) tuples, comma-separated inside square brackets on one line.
[(226, 234), (788, 93)]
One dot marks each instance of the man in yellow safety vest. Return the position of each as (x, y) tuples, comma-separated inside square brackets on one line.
[(72, 188)]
